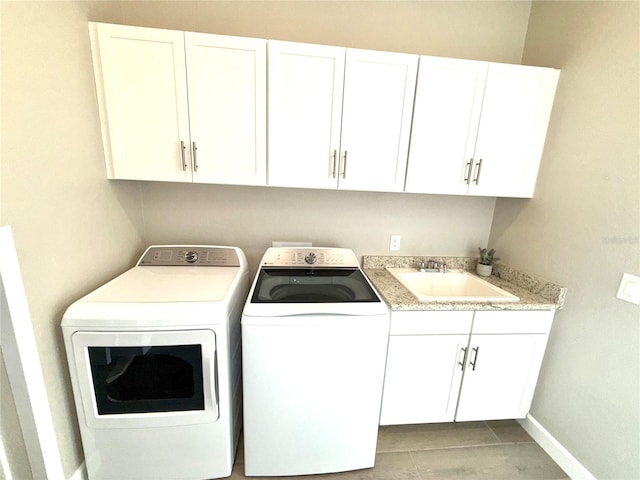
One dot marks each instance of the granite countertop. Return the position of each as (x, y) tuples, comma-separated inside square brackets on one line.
[(534, 293)]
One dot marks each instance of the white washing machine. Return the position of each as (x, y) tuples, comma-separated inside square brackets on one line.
[(314, 334), (155, 363)]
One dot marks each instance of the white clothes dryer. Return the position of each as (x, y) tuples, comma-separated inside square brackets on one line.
[(315, 335), (155, 363)]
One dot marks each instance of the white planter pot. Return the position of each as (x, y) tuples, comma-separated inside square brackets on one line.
[(484, 270)]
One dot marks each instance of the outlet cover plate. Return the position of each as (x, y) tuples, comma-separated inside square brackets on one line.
[(394, 244)]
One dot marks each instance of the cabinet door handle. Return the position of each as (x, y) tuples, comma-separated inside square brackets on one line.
[(474, 362), (195, 157), (479, 165), (344, 165), (468, 167), (332, 166), (184, 163), (462, 362)]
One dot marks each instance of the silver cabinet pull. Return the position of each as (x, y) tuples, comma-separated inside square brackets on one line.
[(467, 177), (479, 165), (332, 166), (195, 157), (462, 362), (474, 362), (184, 163), (343, 174)]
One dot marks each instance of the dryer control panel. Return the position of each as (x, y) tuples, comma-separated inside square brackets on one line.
[(185, 255)]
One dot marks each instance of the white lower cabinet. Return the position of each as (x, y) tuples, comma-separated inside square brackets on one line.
[(500, 376), (462, 366), (422, 378)]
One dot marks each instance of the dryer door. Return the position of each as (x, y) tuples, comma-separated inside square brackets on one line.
[(146, 379)]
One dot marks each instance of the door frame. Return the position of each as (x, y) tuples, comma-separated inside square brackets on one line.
[(23, 366)]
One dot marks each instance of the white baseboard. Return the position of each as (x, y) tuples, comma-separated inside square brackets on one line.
[(80, 473), (555, 450)]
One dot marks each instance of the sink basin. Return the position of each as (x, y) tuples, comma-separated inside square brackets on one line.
[(451, 286)]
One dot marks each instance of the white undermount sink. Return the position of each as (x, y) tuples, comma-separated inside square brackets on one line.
[(449, 287)]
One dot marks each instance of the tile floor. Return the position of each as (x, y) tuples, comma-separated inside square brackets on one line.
[(497, 450)]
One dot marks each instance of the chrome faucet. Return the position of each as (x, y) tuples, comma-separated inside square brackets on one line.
[(432, 266)]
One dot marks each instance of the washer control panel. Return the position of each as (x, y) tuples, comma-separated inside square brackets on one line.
[(196, 255), (309, 257)]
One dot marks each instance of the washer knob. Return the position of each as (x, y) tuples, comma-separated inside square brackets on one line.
[(191, 257), (311, 258)]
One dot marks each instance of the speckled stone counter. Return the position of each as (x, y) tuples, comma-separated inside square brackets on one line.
[(534, 293)]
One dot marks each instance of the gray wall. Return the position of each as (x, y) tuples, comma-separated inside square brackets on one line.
[(582, 230)]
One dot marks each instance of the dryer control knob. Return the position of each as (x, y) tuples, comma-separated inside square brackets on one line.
[(191, 257), (311, 258)]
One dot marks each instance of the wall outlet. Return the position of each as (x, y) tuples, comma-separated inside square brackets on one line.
[(394, 244)]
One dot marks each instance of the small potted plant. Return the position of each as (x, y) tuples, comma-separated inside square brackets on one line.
[(485, 263)]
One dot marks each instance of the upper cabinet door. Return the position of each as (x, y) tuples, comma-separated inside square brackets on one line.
[(445, 124), (227, 86), (305, 108), (376, 119), (142, 94), (515, 115)]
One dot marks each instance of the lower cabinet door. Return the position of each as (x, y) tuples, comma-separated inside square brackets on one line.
[(500, 376), (422, 379)]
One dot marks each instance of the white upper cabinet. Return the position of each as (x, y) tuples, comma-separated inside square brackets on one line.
[(192, 107), (513, 127), (227, 106), (181, 107), (321, 136), (379, 90), (141, 86), (305, 110), (445, 124), (478, 127)]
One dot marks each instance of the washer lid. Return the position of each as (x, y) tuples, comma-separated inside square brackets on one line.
[(166, 285)]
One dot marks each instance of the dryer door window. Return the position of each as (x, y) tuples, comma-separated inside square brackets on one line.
[(159, 378), (146, 379)]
